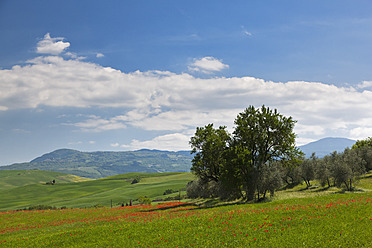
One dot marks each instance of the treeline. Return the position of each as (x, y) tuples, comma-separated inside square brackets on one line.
[(260, 157), (336, 169)]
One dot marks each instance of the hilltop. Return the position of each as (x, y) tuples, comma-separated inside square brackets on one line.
[(326, 146)]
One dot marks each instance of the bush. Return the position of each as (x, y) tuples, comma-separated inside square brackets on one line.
[(144, 200), (40, 207), (169, 191), (137, 179)]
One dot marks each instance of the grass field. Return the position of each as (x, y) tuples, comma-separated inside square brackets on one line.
[(85, 193), (336, 220), (297, 217), (15, 178)]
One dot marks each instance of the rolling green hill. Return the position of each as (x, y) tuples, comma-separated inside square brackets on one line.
[(103, 164), (10, 179), (88, 193)]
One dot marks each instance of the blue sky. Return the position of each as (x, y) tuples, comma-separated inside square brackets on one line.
[(125, 75)]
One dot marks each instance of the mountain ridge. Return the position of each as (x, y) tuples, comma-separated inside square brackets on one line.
[(108, 163), (325, 146)]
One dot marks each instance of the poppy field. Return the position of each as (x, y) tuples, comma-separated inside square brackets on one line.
[(337, 220)]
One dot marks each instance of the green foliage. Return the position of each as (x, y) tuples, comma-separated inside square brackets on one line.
[(137, 179), (169, 191), (363, 143), (239, 164), (209, 146), (39, 207), (144, 200), (307, 169)]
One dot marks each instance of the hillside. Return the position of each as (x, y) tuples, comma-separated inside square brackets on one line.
[(88, 193), (102, 164), (326, 146), (16, 178)]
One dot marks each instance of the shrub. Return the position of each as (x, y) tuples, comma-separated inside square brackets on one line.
[(144, 200), (137, 179)]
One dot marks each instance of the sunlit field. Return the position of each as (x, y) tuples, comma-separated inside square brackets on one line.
[(336, 220)]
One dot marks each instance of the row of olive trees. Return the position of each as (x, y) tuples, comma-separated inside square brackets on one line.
[(336, 169), (244, 164)]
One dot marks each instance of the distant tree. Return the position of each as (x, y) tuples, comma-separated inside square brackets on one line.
[(270, 179), (144, 200), (347, 168), (291, 171), (137, 179), (308, 167), (323, 170)]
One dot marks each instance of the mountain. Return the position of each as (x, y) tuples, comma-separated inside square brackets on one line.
[(326, 146), (103, 164)]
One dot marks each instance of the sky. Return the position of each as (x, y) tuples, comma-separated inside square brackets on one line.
[(127, 75)]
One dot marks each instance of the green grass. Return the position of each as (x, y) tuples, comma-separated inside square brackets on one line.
[(297, 217), (88, 193), (336, 220), (15, 178)]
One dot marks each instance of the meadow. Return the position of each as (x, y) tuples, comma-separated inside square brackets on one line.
[(82, 192), (336, 220), (316, 217)]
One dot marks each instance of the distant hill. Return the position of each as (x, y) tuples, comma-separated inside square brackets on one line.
[(103, 164), (104, 191), (326, 146)]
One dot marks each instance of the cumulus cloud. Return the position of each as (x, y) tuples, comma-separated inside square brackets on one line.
[(98, 124), (100, 55), (52, 46), (169, 142), (207, 65), (177, 103)]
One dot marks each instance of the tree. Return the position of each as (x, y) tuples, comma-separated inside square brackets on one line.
[(209, 146), (308, 169), (323, 171), (364, 150), (363, 143), (262, 135)]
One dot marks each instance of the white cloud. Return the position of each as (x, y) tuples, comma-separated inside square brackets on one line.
[(100, 55), (365, 85), (52, 46), (98, 124), (207, 65), (176, 103), (169, 142)]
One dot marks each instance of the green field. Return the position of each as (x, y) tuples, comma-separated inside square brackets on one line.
[(336, 220), (15, 178), (34, 191), (296, 217)]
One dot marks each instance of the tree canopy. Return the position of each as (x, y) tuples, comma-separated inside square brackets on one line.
[(243, 163)]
